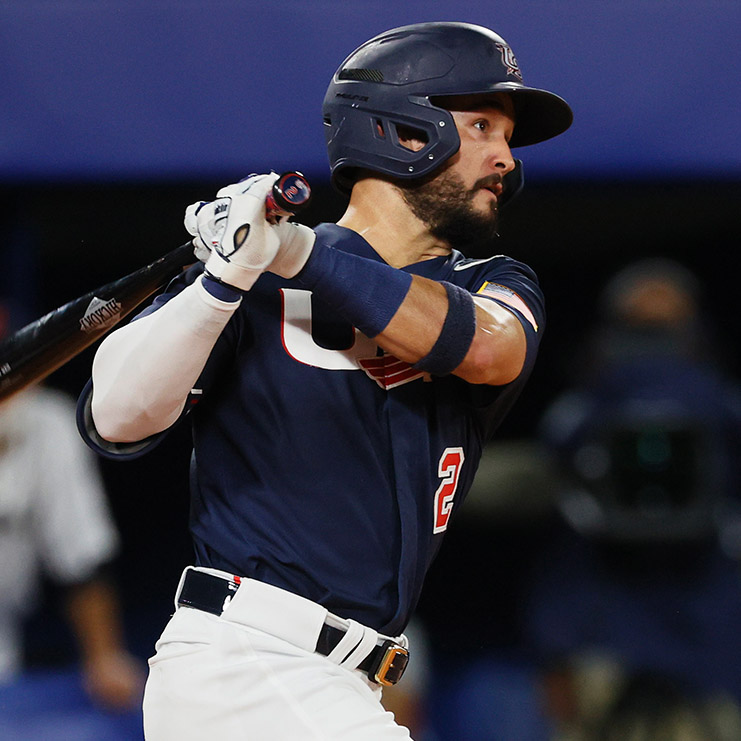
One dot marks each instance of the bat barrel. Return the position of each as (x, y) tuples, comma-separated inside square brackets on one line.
[(38, 349)]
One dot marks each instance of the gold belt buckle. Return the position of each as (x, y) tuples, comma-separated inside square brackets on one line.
[(393, 664)]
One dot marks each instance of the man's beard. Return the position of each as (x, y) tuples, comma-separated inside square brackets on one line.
[(445, 206)]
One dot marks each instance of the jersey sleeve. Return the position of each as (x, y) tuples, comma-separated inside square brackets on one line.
[(514, 286), (105, 448)]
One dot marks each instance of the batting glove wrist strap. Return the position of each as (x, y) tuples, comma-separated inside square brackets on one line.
[(367, 293)]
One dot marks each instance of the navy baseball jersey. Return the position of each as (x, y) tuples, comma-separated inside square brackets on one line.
[(327, 467)]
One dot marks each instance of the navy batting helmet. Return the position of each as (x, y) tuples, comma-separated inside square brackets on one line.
[(392, 81)]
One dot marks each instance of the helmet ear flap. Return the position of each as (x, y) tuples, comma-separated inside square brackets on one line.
[(373, 139), (512, 183)]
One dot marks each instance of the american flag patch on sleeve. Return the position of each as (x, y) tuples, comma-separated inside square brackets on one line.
[(510, 298)]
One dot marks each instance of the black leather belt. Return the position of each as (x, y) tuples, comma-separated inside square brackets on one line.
[(385, 664)]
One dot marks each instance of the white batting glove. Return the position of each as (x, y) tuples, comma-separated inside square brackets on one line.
[(201, 244), (207, 227), (296, 244), (231, 233)]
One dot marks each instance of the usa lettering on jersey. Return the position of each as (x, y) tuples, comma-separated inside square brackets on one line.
[(386, 370)]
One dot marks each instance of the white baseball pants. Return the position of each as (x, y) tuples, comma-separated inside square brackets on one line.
[(224, 678)]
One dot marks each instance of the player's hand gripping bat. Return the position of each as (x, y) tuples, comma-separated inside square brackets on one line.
[(33, 352)]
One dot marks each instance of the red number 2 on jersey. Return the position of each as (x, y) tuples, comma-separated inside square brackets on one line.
[(449, 470)]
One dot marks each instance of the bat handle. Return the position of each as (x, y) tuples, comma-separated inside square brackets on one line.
[(291, 192)]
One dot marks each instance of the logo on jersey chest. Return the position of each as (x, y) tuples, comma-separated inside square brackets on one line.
[(360, 352)]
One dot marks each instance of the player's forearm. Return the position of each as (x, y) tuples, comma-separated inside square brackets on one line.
[(497, 351), (143, 372), (435, 326)]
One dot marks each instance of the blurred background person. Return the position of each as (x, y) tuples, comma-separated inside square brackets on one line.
[(55, 525), (635, 604)]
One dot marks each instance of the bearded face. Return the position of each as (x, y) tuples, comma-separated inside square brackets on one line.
[(446, 206)]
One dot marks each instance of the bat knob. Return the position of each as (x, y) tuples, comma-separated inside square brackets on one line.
[(291, 192)]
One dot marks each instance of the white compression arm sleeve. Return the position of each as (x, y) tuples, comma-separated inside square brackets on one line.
[(143, 372)]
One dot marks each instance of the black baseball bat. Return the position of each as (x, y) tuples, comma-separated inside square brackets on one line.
[(38, 349)]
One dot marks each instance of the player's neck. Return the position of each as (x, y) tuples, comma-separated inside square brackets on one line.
[(378, 213)]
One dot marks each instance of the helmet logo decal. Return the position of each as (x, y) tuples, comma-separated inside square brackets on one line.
[(509, 61)]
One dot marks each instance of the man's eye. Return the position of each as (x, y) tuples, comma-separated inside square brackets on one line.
[(481, 125)]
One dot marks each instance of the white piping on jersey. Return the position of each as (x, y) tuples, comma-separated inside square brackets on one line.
[(474, 263)]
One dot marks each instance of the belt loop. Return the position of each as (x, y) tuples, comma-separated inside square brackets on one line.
[(363, 649), (353, 636)]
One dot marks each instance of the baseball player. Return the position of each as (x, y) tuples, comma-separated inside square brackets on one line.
[(341, 382)]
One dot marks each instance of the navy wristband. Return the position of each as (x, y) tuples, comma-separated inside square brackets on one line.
[(366, 292), (220, 290), (455, 337)]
